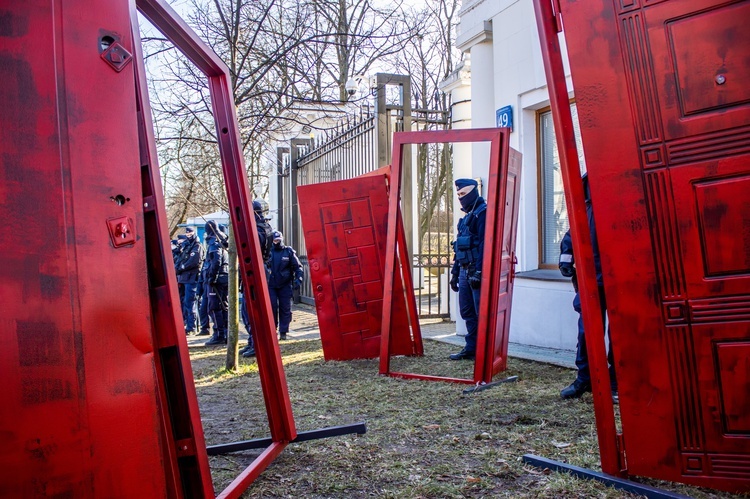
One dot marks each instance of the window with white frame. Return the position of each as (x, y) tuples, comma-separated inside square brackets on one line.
[(554, 213)]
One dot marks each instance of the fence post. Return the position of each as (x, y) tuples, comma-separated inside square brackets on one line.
[(292, 235), (384, 140), (281, 196)]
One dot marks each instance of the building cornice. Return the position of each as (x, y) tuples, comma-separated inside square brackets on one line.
[(460, 77), (481, 32)]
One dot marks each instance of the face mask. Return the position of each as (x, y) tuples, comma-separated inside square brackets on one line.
[(469, 200)]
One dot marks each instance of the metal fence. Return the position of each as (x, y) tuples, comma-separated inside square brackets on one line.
[(434, 223), (361, 146)]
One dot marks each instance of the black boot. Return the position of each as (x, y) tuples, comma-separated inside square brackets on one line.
[(462, 355), (249, 353), (576, 389), (215, 340)]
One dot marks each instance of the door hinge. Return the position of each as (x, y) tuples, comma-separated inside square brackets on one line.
[(622, 463), (558, 15)]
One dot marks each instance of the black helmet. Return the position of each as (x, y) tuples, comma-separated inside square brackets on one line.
[(260, 206), (211, 229)]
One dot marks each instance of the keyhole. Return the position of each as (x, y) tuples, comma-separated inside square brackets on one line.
[(105, 42), (119, 200)]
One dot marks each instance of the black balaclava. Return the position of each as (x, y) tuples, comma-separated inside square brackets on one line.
[(211, 229), (470, 199)]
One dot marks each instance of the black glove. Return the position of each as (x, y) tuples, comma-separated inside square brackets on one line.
[(567, 269), (297, 284), (475, 279), (454, 282)]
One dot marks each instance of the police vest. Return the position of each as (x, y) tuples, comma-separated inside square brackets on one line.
[(265, 237), (466, 245)]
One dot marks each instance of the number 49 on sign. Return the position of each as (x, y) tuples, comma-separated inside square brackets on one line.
[(504, 117)]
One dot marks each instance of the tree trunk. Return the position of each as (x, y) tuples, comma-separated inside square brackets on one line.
[(233, 328)]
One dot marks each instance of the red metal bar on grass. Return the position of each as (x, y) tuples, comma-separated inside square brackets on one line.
[(273, 380), (411, 304), (428, 377), (235, 489), (194, 474)]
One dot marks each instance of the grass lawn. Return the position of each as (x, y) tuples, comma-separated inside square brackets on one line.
[(424, 439)]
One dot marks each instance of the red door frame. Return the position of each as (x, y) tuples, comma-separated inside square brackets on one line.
[(270, 368), (549, 25), (499, 148)]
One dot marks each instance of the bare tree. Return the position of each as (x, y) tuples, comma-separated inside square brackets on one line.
[(429, 58), (362, 35), (279, 52)]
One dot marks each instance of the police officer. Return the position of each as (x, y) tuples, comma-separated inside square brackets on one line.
[(265, 240), (582, 383), (176, 256), (284, 276), (203, 290), (217, 277), (466, 274), (187, 269), (175, 250)]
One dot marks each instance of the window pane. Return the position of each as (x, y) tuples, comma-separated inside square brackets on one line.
[(554, 211)]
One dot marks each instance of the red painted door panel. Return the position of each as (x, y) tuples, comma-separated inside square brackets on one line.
[(501, 263), (664, 108), (80, 415), (345, 224)]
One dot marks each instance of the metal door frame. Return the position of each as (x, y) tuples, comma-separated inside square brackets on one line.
[(499, 145), (270, 368), (549, 25)]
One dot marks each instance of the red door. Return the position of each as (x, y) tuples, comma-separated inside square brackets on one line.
[(345, 231), (80, 412), (664, 107), (504, 192)]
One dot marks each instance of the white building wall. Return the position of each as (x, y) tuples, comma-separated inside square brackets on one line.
[(542, 313)]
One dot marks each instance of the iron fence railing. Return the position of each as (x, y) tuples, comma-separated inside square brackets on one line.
[(357, 148)]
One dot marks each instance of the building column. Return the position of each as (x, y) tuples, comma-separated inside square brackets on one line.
[(482, 104), (458, 84), (477, 43)]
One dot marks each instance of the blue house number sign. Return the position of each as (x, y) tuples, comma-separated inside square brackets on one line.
[(504, 117)]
